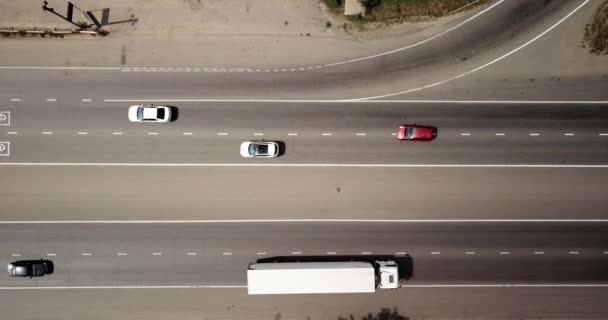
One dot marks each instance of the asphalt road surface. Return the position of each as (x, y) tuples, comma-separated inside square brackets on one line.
[(211, 132), (565, 255), (218, 254)]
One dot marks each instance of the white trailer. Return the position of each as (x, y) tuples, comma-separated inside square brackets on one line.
[(321, 277)]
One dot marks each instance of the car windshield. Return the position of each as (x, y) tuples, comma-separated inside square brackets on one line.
[(140, 113), (160, 113), (409, 132)]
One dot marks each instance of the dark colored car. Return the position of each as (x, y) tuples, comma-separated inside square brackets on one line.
[(30, 268), (415, 132)]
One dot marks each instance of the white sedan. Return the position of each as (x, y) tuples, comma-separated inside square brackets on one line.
[(143, 113), (259, 149)]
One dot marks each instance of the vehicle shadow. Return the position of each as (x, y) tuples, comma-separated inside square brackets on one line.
[(174, 113), (282, 148), (435, 133), (50, 266), (405, 263)]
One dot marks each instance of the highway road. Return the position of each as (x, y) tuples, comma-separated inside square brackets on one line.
[(185, 254), (457, 256), (71, 161), (321, 132)]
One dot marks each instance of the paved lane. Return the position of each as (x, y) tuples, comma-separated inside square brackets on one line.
[(151, 193), (210, 132), (218, 254)]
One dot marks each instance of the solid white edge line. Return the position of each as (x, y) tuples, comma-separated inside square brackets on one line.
[(346, 101), (483, 66), (406, 286), (211, 221), (417, 43), (317, 165)]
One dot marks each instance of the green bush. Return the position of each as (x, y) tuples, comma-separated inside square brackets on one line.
[(333, 3), (596, 33), (384, 314)]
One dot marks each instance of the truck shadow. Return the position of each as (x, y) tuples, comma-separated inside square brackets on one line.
[(405, 263)]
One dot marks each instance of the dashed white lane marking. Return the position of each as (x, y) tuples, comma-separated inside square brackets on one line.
[(15, 99), (121, 254), (292, 134), (479, 67), (326, 134), (191, 253), (504, 252), (435, 252), (51, 254), (539, 252), (401, 253), (465, 134), (261, 253), (534, 134), (87, 254), (258, 134), (394, 134), (568, 134), (361, 133), (16, 254), (226, 253), (603, 134), (117, 133), (330, 252), (366, 252), (12, 132), (470, 252), (47, 132), (51, 100), (152, 133), (500, 134), (187, 133), (605, 252), (296, 252), (573, 252), (87, 100), (222, 133), (157, 253), (322, 165), (82, 133)]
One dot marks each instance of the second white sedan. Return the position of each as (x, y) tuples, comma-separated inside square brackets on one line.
[(143, 113), (259, 149)]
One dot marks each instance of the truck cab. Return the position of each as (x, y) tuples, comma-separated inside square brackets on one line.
[(388, 274)]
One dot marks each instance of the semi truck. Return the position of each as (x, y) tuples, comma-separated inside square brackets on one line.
[(321, 277)]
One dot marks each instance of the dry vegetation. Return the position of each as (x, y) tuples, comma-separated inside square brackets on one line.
[(596, 33)]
